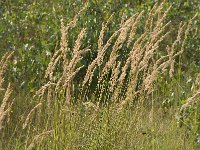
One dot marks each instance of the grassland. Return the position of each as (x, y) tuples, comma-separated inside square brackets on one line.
[(133, 93)]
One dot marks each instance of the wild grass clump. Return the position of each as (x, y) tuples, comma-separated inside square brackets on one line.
[(121, 77), (115, 104), (123, 82)]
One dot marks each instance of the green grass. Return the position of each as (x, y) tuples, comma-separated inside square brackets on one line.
[(89, 126), (81, 127)]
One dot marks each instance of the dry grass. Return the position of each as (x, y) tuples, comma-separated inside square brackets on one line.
[(195, 96), (130, 77), (29, 115), (38, 138), (124, 73), (5, 107)]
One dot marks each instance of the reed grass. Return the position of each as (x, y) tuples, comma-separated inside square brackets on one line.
[(115, 104)]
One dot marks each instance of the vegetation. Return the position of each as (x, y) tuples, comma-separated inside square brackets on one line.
[(101, 75)]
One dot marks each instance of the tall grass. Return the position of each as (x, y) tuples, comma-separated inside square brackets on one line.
[(5, 107), (116, 104)]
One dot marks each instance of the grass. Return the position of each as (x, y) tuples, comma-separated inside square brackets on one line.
[(83, 127), (129, 97)]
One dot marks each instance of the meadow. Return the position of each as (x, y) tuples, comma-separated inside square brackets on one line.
[(99, 76)]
